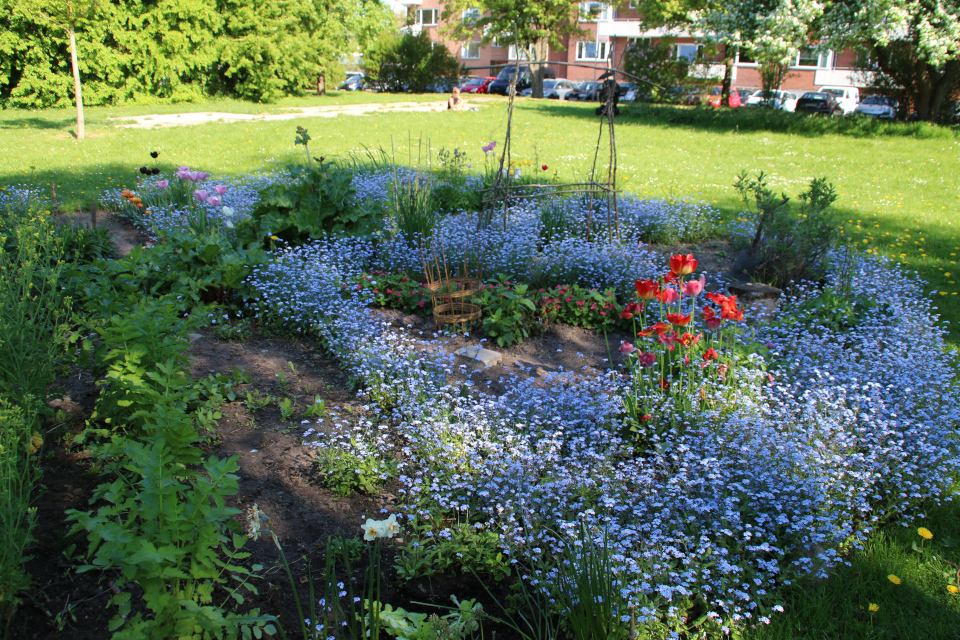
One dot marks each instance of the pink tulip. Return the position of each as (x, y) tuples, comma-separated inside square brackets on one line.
[(201, 194), (714, 323), (669, 295), (694, 287), (626, 347), (183, 173), (213, 201), (197, 176), (220, 189), (163, 183), (646, 359)]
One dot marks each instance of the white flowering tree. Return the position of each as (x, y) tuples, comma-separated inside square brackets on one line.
[(774, 30), (915, 44)]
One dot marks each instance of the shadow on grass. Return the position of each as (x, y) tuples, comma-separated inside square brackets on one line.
[(39, 123), (748, 119)]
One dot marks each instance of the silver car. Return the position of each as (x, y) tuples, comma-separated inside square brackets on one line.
[(878, 107)]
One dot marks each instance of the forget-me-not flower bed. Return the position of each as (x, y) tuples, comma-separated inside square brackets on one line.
[(847, 427)]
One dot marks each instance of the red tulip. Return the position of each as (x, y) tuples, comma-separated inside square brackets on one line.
[(664, 384), (626, 347), (690, 340), (694, 287), (710, 354), (646, 359), (647, 289), (544, 167), (631, 310), (683, 264), (679, 320)]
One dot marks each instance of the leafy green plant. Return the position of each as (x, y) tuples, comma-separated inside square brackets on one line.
[(466, 548), (450, 189), (462, 622), (582, 307), (168, 529), (555, 221), (235, 331), (346, 472), (788, 245), (317, 201), (508, 314), (317, 409), (287, 409), (256, 400)]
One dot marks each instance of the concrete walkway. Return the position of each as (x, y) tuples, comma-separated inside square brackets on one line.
[(327, 111)]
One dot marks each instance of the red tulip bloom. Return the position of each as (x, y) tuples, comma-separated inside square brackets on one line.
[(668, 340), (631, 310), (626, 348), (646, 417), (690, 340), (679, 320), (647, 289), (544, 167), (669, 295), (710, 354), (664, 384), (683, 264)]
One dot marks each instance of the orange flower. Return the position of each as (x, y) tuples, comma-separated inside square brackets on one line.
[(710, 354), (689, 340), (679, 319), (683, 264)]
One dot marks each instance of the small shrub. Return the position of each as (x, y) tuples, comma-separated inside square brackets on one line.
[(508, 313), (788, 245)]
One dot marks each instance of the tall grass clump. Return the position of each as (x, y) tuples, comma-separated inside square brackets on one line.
[(18, 472)]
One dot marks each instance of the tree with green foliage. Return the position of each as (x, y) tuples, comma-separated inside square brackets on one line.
[(912, 45), (410, 62), (534, 27)]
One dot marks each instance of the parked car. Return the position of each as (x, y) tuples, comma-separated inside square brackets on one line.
[(819, 102), (628, 91), (782, 100), (354, 82), (716, 95), (477, 85), (524, 79), (745, 94), (878, 106), (589, 90), (847, 97), (554, 88)]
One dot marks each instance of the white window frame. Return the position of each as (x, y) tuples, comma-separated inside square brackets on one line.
[(696, 56), (465, 51), (516, 54), (604, 12), (436, 18), (824, 60), (470, 16), (602, 51)]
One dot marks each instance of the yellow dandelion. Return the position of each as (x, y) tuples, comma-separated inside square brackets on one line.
[(874, 608), (925, 533), (953, 589), (894, 579)]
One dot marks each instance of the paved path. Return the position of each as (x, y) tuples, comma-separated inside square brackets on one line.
[(326, 111)]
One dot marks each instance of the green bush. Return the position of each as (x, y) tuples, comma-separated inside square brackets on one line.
[(409, 63), (18, 472), (788, 244)]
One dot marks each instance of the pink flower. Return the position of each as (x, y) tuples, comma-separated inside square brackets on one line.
[(544, 167), (196, 176), (646, 359), (669, 295), (213, 200), (183, 172), (694, 287), (220, 189), (163, 183), (201, 194), (626, 347)]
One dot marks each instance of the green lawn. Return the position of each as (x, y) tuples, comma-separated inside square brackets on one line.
[(900, 196)]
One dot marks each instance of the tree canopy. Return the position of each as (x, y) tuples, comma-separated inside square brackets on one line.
[(182, 50)]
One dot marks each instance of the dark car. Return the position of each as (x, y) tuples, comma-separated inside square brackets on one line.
[(819, 102), (501, 85), (588, 90)]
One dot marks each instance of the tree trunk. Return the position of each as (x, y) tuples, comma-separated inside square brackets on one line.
[(537, 51), (76, 82), (729, 58)]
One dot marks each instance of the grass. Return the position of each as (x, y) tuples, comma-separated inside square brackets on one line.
[(899, 196)]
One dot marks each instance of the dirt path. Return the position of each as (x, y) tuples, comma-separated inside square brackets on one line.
[(326, 111)]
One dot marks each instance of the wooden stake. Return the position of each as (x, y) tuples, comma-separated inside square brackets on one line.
[(93, 215)]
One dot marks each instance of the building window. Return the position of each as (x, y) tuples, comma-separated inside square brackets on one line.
[(689, 52), (428, 17), (595, 12), (470, 51), (470, 16), (633, 4), (813, 58), (516, 54), (746, 57), (593, 50)]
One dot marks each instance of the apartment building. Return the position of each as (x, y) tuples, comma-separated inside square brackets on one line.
[(608, 32)]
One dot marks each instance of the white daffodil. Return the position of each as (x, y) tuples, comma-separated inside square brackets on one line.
[(373, 529)]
